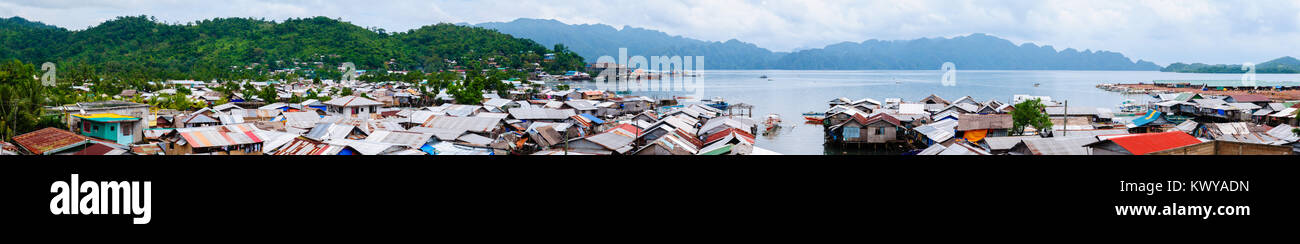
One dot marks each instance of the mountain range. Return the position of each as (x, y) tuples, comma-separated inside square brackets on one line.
[(974, 51)]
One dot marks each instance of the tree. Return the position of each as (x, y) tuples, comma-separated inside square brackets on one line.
[(1030, 113), (268, 94), (22, 99)]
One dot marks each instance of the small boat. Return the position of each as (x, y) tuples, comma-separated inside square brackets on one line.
[(814, 117), (716, 102), (1037, 84), (1131, 108), (771, 124), (763, 77)]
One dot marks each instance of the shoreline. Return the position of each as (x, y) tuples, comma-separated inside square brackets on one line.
[(1279, 96)]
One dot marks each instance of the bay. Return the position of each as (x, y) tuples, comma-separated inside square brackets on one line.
[(789, 93)]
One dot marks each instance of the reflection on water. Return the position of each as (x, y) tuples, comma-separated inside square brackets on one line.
[(790, 93)]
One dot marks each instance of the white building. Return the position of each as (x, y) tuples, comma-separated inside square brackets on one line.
[(352, 106)]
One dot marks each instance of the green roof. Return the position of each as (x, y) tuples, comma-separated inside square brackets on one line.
[(719, 151)]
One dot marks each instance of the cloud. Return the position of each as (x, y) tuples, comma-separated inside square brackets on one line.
[(1164, 31)]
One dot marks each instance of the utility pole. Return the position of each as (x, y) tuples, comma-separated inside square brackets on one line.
[(1065, 123), (566, 140)]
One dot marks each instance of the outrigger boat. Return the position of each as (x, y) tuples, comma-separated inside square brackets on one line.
[(772, 124), (814, 117), (1131, 108), (716, 102)]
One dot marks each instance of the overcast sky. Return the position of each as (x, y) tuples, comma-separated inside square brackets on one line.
[(1163, 31)]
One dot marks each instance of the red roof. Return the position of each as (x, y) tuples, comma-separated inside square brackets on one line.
[(50, 138), (627, 127), (878, 117), (1250, 98), (689, 138), (723, 134), (95, 149), (1154, 142)]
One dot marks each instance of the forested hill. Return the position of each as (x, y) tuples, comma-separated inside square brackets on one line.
[(1283, 65), (975, 51), (143, 47)]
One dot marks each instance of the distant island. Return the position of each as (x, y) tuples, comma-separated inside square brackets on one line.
[(975, 51), (1283, 65)]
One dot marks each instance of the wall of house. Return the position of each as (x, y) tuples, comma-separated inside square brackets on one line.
[(880, 134), (1226, 148)]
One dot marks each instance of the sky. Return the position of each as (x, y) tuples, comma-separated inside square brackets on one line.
[(1162, 31)]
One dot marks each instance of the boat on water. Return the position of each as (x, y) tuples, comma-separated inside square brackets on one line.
[(763, 77), (716, 102), (772, 124), (814, 117), (1131, 108), (1037, 84)]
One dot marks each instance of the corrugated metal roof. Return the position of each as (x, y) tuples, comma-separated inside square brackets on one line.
[(367, 148), (1060, 145), (938, 131), (441, 134), (912, 108), (611, 140), (963, 149), (200, 119), (228, 119), (497, 102), (448, 148), (1152, 142), (48, 140), (984, 121), (475, 139), (304, 146), (1187, 126), (1283, 132), (541, 113), (301, 119), (472, 124), (413, 139), (219, 136), (325, 131), (933, 150), (1006, 142)]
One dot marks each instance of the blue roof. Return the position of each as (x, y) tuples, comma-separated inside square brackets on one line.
[(429, 149), (1150, 117), (593, 118)]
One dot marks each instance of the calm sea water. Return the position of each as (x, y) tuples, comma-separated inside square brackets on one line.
[(790, 93)]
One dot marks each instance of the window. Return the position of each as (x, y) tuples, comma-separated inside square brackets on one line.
[(851, 132), (880, 131), (125, 129)]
